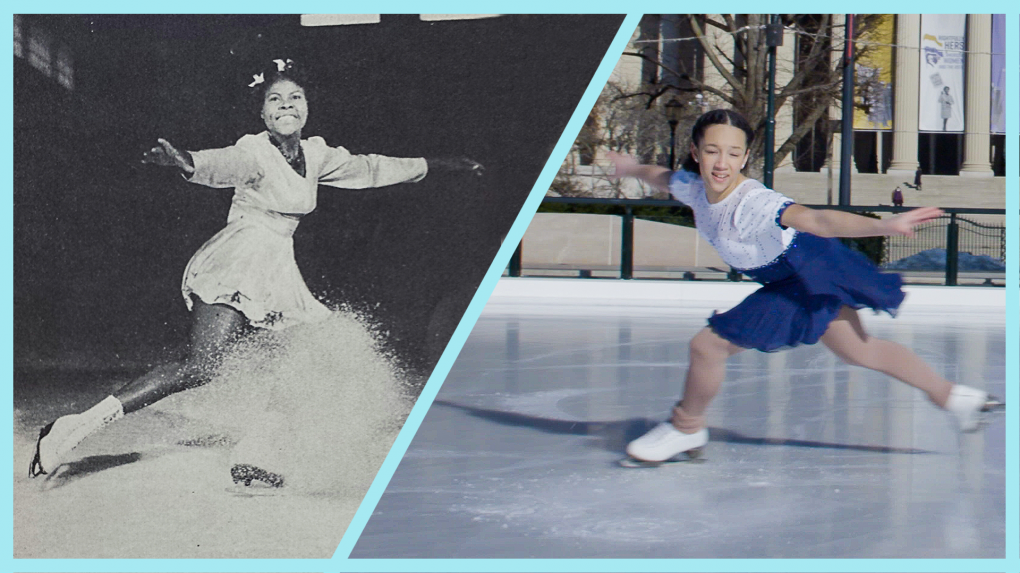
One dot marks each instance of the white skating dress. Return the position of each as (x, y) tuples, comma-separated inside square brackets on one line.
[(250, 264)]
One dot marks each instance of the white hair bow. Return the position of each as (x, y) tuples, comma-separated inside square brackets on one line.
[(258, 80), (282, 65)]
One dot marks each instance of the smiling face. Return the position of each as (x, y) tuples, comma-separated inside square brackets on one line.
[(721, 155), (285, 109)]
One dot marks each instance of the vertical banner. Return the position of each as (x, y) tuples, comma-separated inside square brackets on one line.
[(998, 119), (874, 76), (940, 93)]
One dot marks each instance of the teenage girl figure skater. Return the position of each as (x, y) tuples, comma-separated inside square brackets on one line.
[(812, 284), (246, 275)]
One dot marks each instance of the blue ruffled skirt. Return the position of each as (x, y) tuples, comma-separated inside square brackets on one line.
[(803, 291)]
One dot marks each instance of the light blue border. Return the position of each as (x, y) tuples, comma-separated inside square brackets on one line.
[(7, 294), (1011, 564)]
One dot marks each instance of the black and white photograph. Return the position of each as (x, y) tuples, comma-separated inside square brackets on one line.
[(241, 244)]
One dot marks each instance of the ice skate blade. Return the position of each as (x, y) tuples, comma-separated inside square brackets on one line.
[(987, 413), (993, 404), (241, 490), (692, 456)]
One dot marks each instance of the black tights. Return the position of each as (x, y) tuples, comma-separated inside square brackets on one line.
[(214, 327)]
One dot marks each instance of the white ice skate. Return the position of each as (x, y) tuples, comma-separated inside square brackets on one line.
[(968, 405), (58, 438), (55, 442), (662, 443)]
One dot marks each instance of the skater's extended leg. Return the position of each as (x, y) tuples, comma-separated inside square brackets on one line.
[(214, 327), (686, 430), (705, 374), (847, 338)]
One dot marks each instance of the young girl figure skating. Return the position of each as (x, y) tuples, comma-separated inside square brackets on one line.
[(812, 284), (246, 276)]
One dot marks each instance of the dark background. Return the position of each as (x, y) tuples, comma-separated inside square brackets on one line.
[(101, 241)]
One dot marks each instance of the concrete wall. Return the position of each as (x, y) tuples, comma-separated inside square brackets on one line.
[(584, 240)]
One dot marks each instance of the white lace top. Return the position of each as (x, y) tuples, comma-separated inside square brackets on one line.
[(744, 227)]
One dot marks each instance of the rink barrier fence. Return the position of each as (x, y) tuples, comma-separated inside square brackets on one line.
[(978, 238), (562, 292)]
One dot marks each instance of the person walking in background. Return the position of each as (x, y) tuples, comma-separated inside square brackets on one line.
[(897, 197)]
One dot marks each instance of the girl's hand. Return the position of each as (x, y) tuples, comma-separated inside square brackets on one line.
[(623, 165), (904, 224), (167, 155), (626, 166)]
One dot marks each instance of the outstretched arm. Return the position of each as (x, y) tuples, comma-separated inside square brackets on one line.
[(626, 166), (167, 155), (347, 171), (830, 223), (220, 168), (340, 168)]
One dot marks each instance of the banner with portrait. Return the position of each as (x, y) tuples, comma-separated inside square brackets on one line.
[(941, 85)]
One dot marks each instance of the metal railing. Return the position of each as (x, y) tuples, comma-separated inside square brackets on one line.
[(972, 237), (953, 232)]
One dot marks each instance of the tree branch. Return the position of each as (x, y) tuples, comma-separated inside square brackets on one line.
[(698, 85), (698, 33), (715, 24)]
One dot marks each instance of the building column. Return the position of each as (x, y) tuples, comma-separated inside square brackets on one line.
[(879, 151), (978, 110), (905, 93)]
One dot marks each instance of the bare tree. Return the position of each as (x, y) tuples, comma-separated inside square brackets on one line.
[(618, 122), (814, 80)]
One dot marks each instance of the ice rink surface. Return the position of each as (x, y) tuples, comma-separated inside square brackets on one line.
[(807, 457)]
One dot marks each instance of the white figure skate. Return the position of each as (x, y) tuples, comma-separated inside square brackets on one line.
[(58, 438), (664, 443), (969, 406)]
